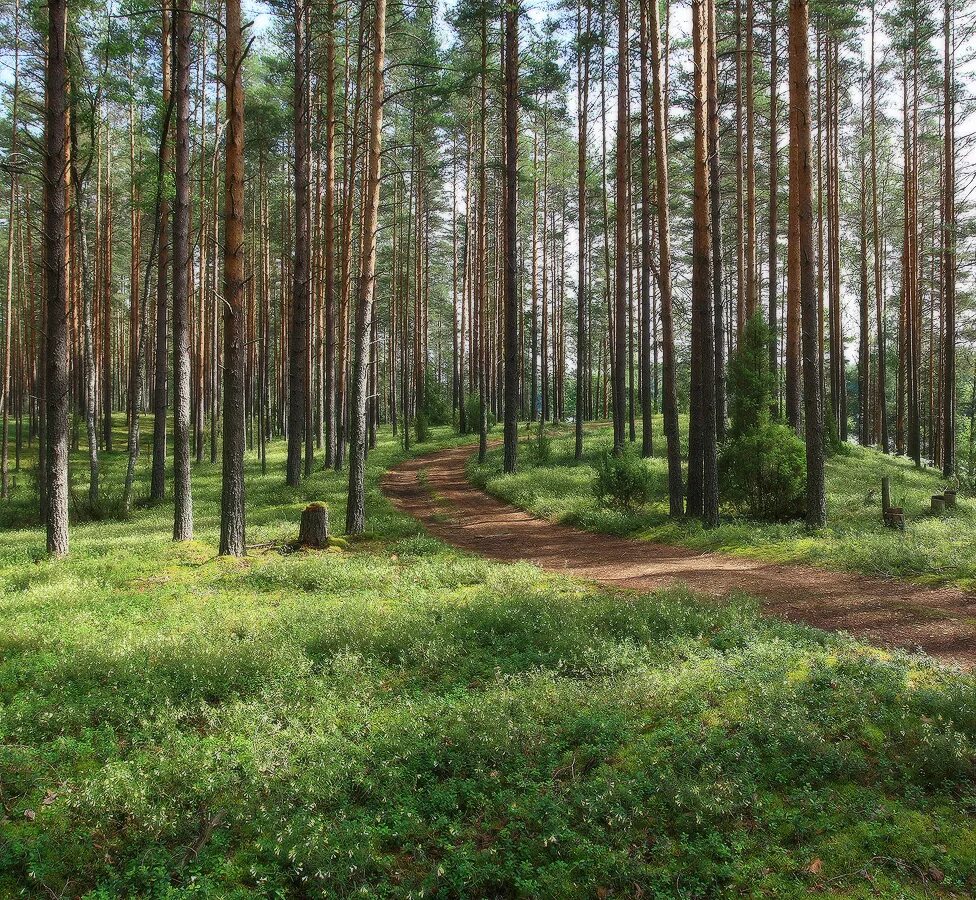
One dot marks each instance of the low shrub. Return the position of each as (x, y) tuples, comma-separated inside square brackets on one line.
[(472, 413), (437, 402), (750, 382), (540, 445), (763, 473), (109, 506), (622, 480)]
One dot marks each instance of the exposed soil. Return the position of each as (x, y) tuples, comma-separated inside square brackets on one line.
[(886, 612)]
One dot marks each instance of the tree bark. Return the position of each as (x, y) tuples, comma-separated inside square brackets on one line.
[(949, 256), (8, 303), (622, 201), (773, 205), (512, 308), (669, 386), (298, 355), (582, 294), (881, 401), (329, 240), (715, 183), (55, 263), (647, 396), (801, 191), (701, 285), (157, 489), (183, 510), (232, 488), (356, 503)]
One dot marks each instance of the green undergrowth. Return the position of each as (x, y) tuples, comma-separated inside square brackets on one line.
[(400, 719), (933, 550)]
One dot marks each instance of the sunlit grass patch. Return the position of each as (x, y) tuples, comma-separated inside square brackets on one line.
[(401, 718)]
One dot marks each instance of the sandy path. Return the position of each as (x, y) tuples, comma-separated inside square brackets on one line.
[(886, 612)]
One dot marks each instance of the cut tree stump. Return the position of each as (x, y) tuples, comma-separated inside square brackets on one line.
[(314, 531), (950, 499), (895, 518), (938, 504)]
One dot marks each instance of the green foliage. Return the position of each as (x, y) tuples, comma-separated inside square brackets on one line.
[(437, 402), (762, 466), (763, 473), (749, 379), (108, 506), (472, 411), (622, 479), (833, 444), (540, 444)]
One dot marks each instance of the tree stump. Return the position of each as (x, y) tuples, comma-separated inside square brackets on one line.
[(895, 518), (950, 499), (314, 531), (938, 504)]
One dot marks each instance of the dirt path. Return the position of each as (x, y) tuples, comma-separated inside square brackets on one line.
[(435, 490)]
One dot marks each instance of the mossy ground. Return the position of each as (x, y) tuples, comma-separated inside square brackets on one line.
[(403, 720), (933, 550)]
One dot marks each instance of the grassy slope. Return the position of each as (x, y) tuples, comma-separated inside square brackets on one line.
[(933, 550), (404, 718)]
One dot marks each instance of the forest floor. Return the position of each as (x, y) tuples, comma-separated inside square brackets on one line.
[(397, 718), (886, 612)]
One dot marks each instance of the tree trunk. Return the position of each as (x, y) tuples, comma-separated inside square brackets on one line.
[(881, 401), (864, 346), (106, 294), (773, 207), (752, 271), (949, 257), (512, 307), (701, 283), (55, 262), (801, 191), (329, 240), (298, 355), (157, 488), (647, 396), (232, 489), (88, 287), (715, 183), (622, 201), (582, 294), (356, 503), (5, 388), (669, 387), (183, 512)]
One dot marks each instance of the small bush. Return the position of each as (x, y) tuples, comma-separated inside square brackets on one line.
[(750, 381), (540, 446), (833, 445), (763, 473), (472, 412), (437, 402), (108, 507), (622, 480)]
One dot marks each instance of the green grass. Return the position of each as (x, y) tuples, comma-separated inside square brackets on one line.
[(404, 720), (934, 550)]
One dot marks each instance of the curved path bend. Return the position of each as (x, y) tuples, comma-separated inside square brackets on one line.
[(886, 612)]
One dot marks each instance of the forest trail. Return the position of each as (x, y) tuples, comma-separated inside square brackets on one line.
[(435, 490)]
